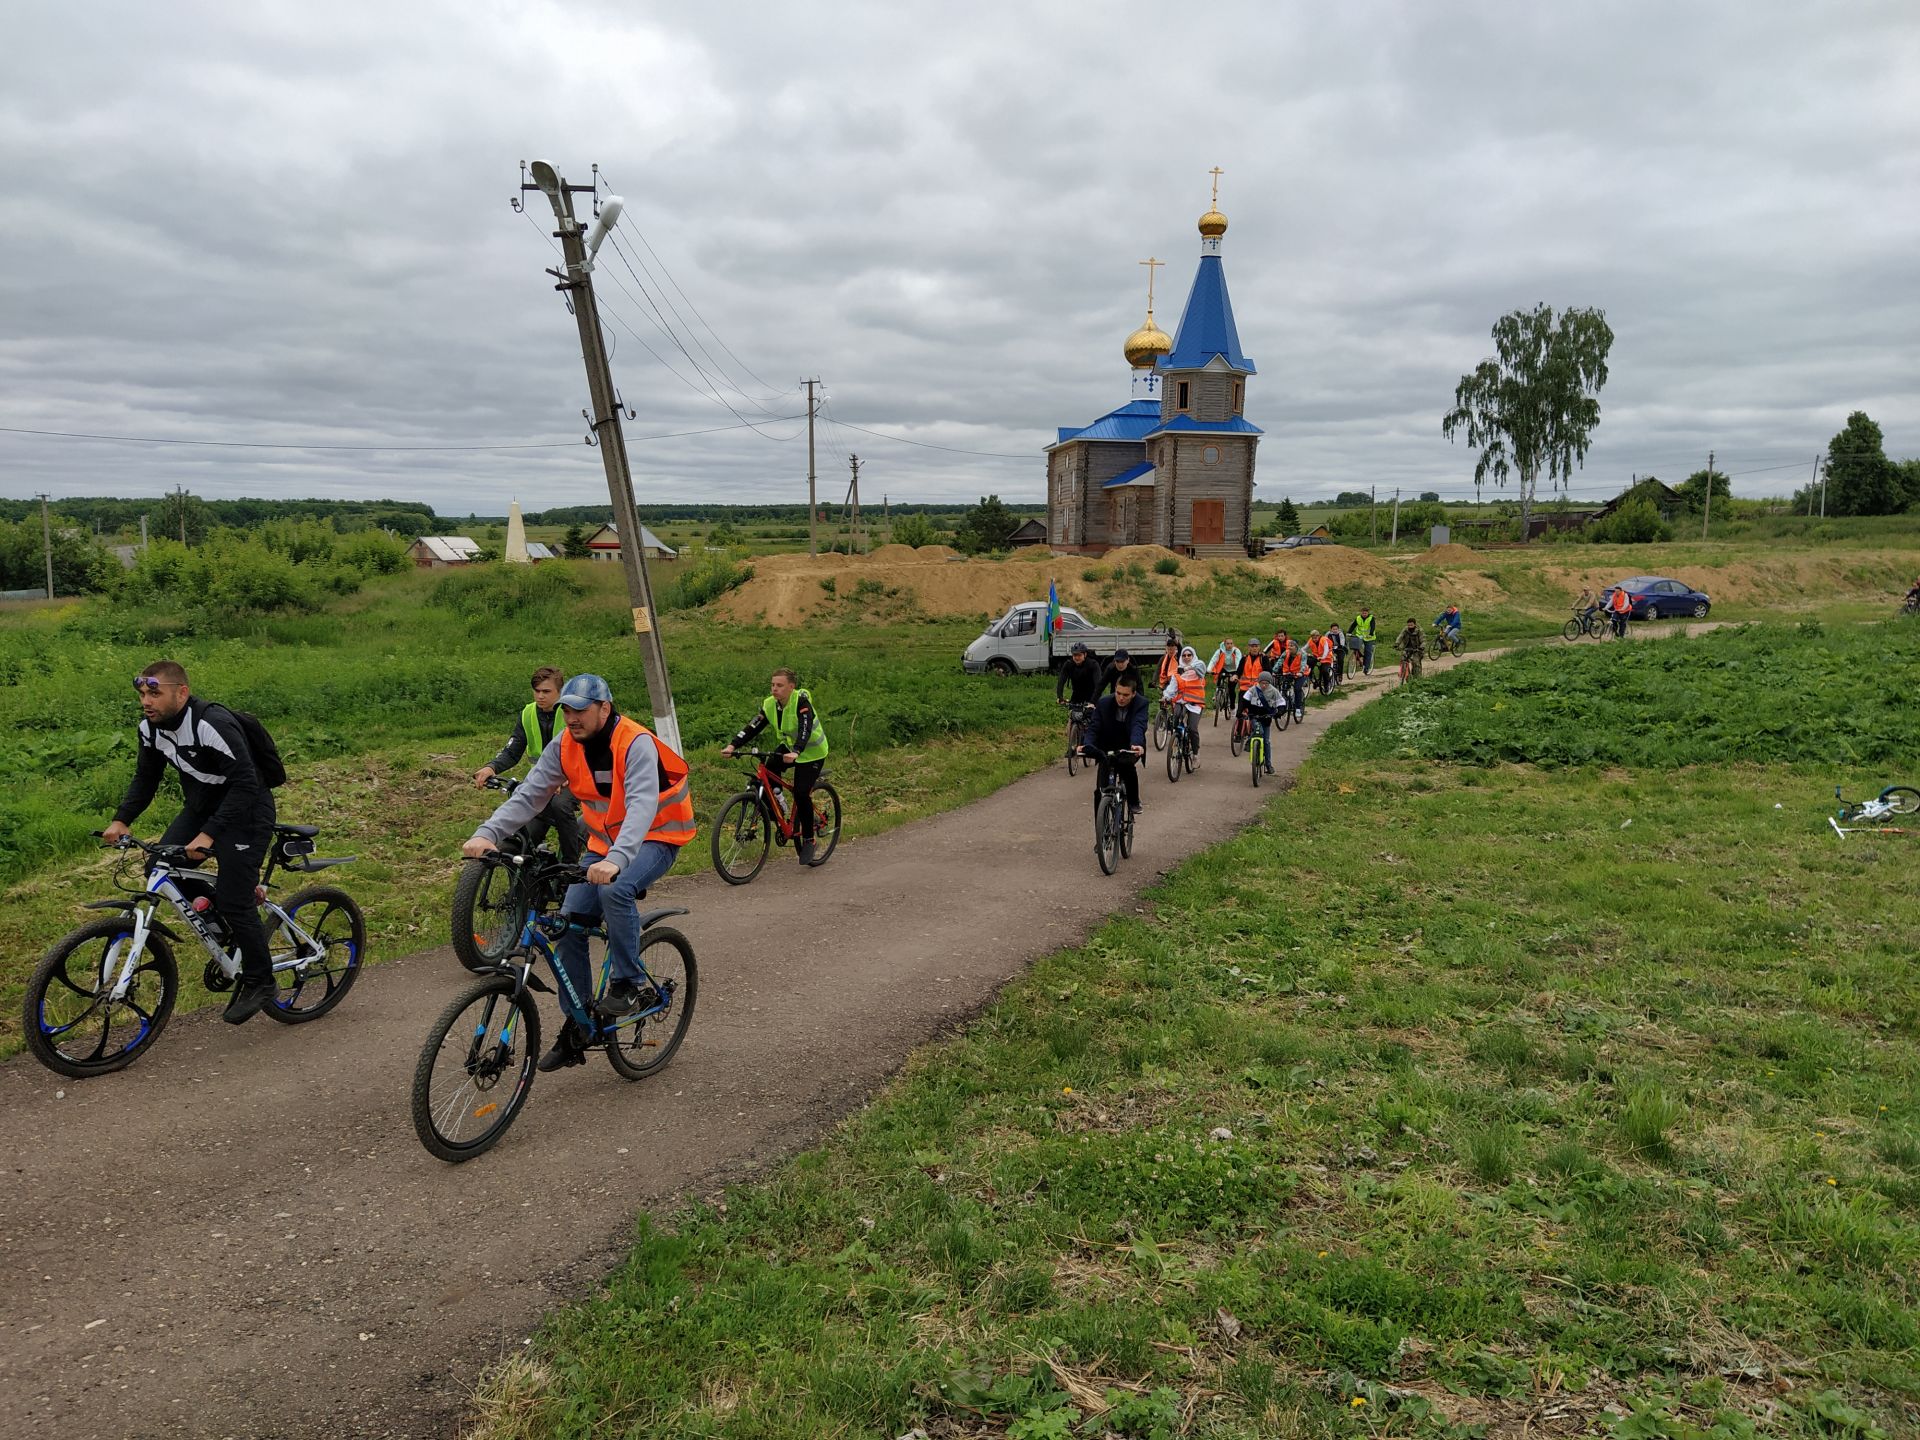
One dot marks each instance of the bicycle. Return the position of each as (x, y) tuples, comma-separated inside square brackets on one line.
[(1112, 816), (1910, 605), (478, 1065), (1443, 642), (1894, 801), (1410, 659), (490, 902), (1226, 695), (1322, 682), (757, 818), (1257, 752), (1183, 746), (1586, 621), (1162, 724), (120, 970), (1079, 713)]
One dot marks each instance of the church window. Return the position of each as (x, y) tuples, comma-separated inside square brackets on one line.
[(1236, 397), (1186, 391), (1211, 454)]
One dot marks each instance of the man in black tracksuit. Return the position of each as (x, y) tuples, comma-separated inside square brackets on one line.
[(1121, 664), (227, 813), (1119, 724)]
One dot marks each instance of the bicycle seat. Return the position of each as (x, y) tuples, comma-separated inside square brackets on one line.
[(303, 832)]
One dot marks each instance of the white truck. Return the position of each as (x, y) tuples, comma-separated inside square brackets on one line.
[(1019, 643)]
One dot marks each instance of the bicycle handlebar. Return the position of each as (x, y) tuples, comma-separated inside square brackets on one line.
[(504, 783), (151, 847), (1127, 755)]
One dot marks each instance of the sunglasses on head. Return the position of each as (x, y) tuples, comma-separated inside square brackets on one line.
[(147, 683)]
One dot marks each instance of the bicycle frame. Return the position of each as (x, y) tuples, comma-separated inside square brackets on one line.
[(538, 940), (162, 888)]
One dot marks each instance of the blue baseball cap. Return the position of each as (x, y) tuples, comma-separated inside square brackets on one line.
[(585, 690)]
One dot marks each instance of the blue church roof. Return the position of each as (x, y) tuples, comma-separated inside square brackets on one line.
[(1206, 325), (1187, 425), (1127, 477), (1131, 421)]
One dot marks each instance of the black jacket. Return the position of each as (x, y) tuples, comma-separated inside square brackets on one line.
[(1112, 673), (205, 744), (1082, 680), (1117, 729)]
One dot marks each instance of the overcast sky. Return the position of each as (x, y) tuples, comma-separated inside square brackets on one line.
[(289, 222)]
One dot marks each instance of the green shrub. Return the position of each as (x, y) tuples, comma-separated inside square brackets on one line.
[(503, 592), (915, 530), (706, 580), (1166, 565)]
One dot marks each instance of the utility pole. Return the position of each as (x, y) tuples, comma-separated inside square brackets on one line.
[(46, 538), (1812, 481), (576, 283), (1826, 474), (813, 506), (886, 515), (143, 532), (1396, 519), (1373, 514), (854, 536), (1707, 514)]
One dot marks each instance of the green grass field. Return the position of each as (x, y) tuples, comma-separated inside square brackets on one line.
[(1492, 1085)]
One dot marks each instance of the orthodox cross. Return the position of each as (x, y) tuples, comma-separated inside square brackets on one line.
[(1151, 265), (1216, 172)]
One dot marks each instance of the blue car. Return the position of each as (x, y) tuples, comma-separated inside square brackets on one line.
[(1655, 597)]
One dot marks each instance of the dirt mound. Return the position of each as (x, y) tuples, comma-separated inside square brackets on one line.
[(1317, 569), (1146, 555), (1448, 554), (1032, 554)]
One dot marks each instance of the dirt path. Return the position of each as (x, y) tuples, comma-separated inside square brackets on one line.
[(242, 1237)]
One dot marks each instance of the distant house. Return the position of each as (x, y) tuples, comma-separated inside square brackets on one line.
[(604, 544), (1664, 498), (1322, 531), (1034, 532), (437, 552)]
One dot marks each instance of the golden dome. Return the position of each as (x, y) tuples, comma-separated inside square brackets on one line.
[(1213, 223), (1148, 344)]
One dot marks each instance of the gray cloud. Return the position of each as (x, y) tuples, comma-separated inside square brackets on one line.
[(289, 223)]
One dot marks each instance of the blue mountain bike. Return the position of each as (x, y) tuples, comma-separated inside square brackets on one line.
[(478, 1066)]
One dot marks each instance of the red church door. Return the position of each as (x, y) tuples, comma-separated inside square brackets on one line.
[(1209, 522)]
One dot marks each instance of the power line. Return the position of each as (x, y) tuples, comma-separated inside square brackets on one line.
[(415, 449), (602, 175)]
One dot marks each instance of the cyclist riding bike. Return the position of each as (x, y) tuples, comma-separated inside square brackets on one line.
[(226, 811), (1320, 659), (1078, 683), (788, 712), (636, 799), (1292, 665), (1169, 662), (1412, 648), (1587, 606), (1363, 632), (1225, 664), (1253, 664), (1121, 664), (1619, 610), (1188, 691), (1279, 645), (1119, 723), (1263, 702), (1340, 646), (535, 729), (1449, 619)]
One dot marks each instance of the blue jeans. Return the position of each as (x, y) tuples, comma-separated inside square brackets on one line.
[(614, 904), (1366, 656)]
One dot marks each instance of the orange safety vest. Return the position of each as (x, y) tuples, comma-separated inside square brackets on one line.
[(1218, 663), (1275, 646), (1321, 650), (1293, 662), (672, 822), (1250, 669), (1167, 669), (1191, 688), (1621, 601)]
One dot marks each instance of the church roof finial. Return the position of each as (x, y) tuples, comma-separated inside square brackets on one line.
[(1213, 224), (1147, 344)]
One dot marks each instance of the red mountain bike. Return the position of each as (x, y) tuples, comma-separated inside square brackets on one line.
[(763, 815)]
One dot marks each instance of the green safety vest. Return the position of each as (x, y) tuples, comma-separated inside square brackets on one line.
[(530, 723), (1362, 628), (787, 726)]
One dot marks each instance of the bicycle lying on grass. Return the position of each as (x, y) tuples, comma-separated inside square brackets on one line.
[(477, 1068), (763, 814), (1872, 815), (102, 995)]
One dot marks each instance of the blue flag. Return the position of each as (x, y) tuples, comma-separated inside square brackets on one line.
[(1053, 608)]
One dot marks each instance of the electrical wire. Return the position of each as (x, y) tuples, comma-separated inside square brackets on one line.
[(416, 449), (600, 175)]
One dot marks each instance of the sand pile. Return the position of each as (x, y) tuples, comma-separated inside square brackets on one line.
[(1449, 554), (1147, 555), (1317, 569), (908, 555)]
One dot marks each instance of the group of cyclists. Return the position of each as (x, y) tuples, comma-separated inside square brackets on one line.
[(1112, 704)]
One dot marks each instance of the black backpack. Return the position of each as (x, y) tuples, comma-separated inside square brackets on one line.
[(267, 763)]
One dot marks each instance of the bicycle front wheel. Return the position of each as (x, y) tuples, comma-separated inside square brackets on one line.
[(1106, 834), (826, 821), (1073, 745), (1572, 630), (476, 1069), (490, 909), (642, 1046), (1901, 799), (312, 979), (1159, 730), (1256, 752), (1174, 745), (742, 835), (1236, 739), (71, 1020)]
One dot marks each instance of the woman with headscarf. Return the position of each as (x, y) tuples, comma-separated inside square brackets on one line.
[(1188, 689)]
